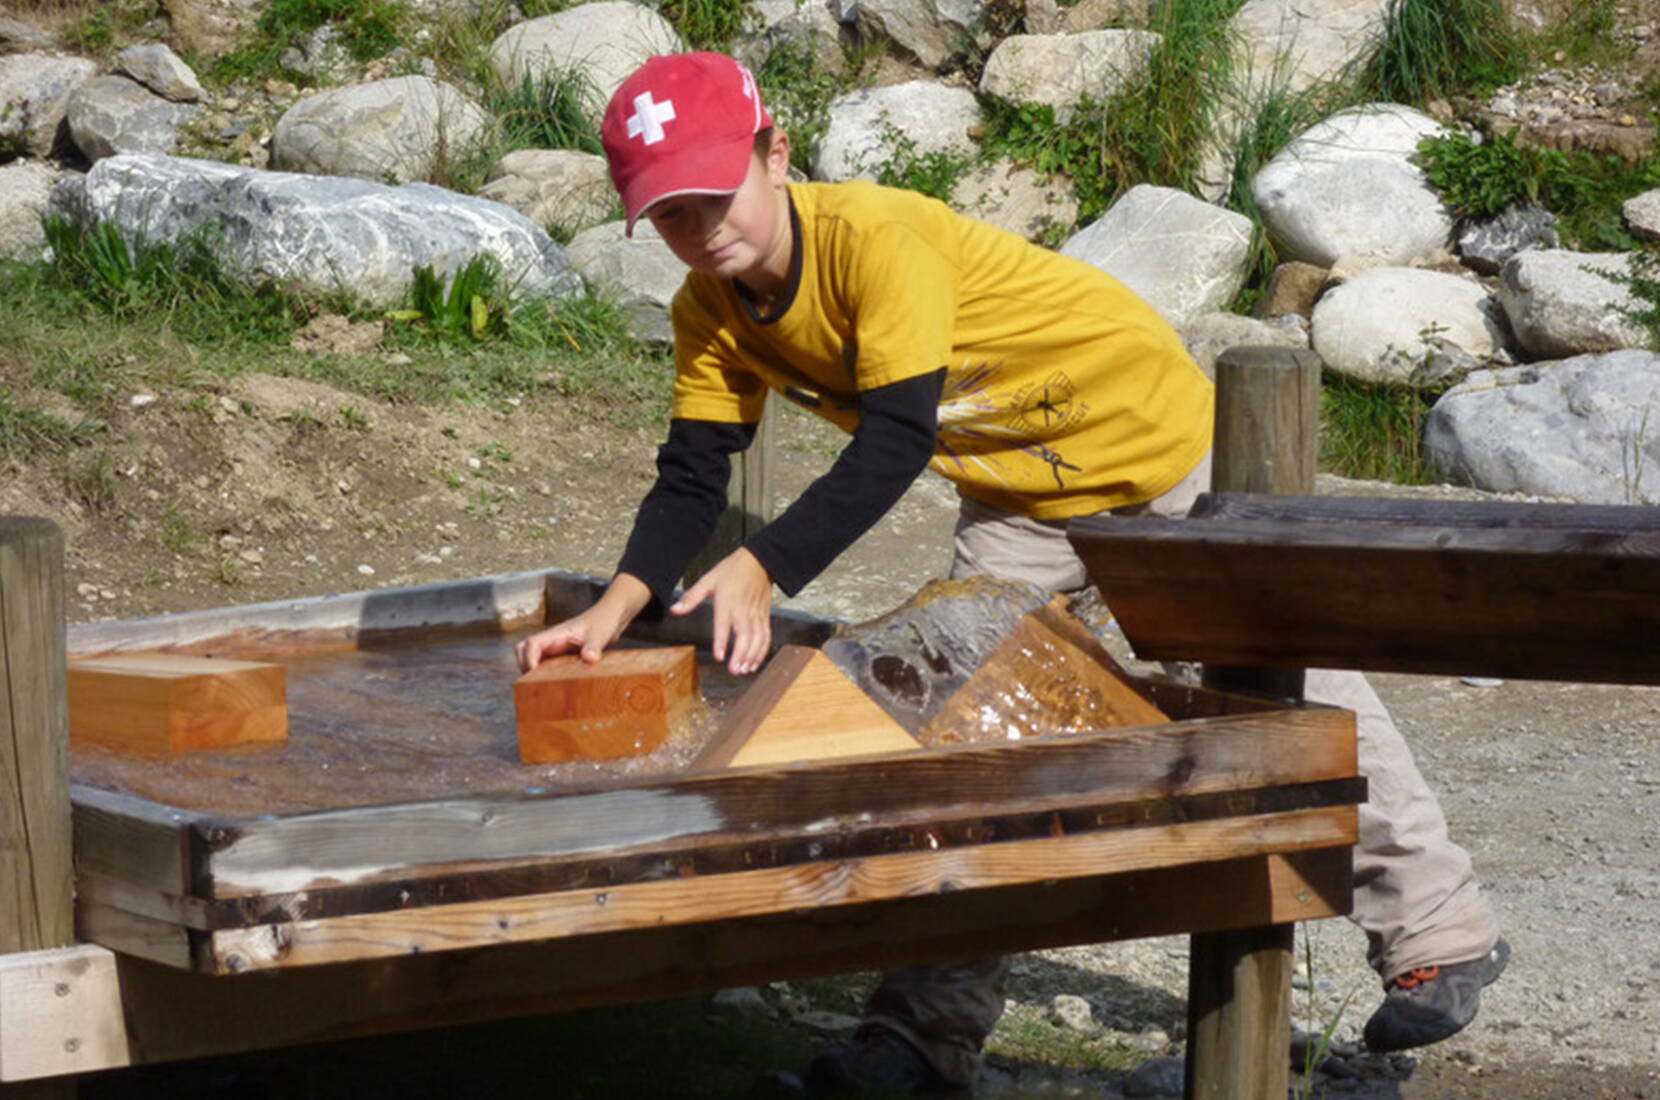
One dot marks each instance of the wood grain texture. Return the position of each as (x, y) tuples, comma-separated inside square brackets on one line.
[(622, 705), (161, 703), (36, 889), (1050, 675), (746, 894), (60, 1013), (1239, 1011), (801, 707)]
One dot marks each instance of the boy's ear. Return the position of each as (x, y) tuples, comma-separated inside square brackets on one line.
[(778, 158)]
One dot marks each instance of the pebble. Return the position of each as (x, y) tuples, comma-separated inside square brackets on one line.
[(743, 1000), (366, 570), (140, 400), (1071, 1012)]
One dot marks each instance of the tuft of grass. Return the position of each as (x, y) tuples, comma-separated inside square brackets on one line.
[(1434, 49), (1374, 432), (26, 431), (367, 29), (710, 24), (90, 482), (545, 111)]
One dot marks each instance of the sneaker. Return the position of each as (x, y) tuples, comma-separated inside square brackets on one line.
[(877, 1062), (1430, 1003)]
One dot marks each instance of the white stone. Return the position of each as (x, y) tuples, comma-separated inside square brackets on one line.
[(396, 130), (1293, 44), (1059, 70), (1018, 199), (1398, 325), (34, 97), (112, 114), (932, 31), (1642, 214), (603, 42), (864, 125), (161, 70), (25, 188), (1560, 303), (560, 188)]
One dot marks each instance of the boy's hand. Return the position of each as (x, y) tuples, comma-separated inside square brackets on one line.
[(592, 631), (742, 591)]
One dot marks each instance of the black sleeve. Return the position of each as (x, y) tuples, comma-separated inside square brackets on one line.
[(678, 515), (890, 447)]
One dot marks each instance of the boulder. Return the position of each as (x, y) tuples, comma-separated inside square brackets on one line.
[(25, 187), (602, 42), (932, 31), (315, 235), (1585, 428), (1347, 186), (865, 125), (1294, 287), (1059, 70), (112, 114), (1642, 214), (640, 271), (564, 189), (809, 27), (1018, 199), (1183, 255), (1563, 303), (1293, 45), (213, 27), (1485, 245), (396, 130), (160, 70), (17, 36), (34, 98), (1405, 326), (1208, 335)]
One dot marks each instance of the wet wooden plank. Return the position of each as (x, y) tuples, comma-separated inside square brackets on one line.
[(726, 897), (337, 847), (1467, 590)]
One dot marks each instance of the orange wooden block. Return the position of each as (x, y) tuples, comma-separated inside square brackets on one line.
[(165, 703), (802, 707), (622, 706), (1049, 675)]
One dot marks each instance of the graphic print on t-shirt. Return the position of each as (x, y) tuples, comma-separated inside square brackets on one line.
[(976, 423)]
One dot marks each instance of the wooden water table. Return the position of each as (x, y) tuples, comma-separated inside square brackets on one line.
[(236, 921)]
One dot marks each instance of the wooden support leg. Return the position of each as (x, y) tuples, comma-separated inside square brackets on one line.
[(1239, 1014)]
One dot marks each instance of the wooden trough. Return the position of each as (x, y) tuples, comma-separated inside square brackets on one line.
[(1236, 814)]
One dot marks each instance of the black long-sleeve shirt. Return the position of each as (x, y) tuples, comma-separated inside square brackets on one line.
[(890, 447)]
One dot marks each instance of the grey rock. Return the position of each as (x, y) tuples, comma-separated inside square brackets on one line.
[(1400, 326), (1208, 335), (1060, 69), (1070, 1012), (1157, 1077), (112, 114), (835, 1023), (321, 55), (640, 270), (161, 70), (864, 126), (1183, 255), (1294, 45), (559, 188), (317, 235), (393, 130), (1642, 214), (25, 188), (34, 98), (1485, 245), (1018, 199), (932, 31), (810, 27), (17, 36), (1586, 429), (1563, 303), (1346, 186), (602, 42)]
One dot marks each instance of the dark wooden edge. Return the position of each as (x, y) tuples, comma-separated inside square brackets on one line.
[(1611, 519), (993, 825), (281, 854)]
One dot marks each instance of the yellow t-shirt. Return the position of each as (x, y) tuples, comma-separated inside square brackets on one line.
[(1065, 394)]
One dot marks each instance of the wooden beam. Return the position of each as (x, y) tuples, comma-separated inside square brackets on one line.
[(60, 1013), (622, 705), (1239, 1009), (36, 890), (801, 707), (745, 894)]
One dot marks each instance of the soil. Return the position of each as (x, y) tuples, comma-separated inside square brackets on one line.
[(272, 488)]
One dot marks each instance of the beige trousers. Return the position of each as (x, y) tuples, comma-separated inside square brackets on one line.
[(1415, 896)]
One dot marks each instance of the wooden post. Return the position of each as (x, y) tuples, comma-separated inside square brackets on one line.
[(748, 497), (1239, 982), (36, 889)]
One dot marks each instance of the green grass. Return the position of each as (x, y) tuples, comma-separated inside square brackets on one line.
[(1374, 432), (710, 24), (367, 29), (26, 431), (1433, 49)]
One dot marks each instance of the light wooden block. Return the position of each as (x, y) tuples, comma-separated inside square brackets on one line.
[(1048, 675), (802, 707), (621, 706), (166, 703)]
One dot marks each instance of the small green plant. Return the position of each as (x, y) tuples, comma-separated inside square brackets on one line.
[(710, 24), (352, 417), (935, 172), (1029, 134), (798, 88), (473, 307), (1641, 278), (1315, 1053), (94, 32), (366, 29), (90, 482), (545, 110), (1479, 179)]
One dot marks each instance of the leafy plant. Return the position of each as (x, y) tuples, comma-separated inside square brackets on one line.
[(367, 29), (935, 172), (473, 306), (1029, 134), (1641, 278), (1479, 179)]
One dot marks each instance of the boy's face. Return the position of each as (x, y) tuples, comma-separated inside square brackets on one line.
[(744, 235)]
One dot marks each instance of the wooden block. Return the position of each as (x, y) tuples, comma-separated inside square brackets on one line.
[(802, 707), (166, 703), (1048, 675), (621, 706)]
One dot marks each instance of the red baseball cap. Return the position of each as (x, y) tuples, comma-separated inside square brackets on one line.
[(683, 124)]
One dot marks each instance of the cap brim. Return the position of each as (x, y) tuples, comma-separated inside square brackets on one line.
[(706, 170)]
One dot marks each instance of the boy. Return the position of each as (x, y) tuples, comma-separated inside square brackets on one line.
[(1038, 384)]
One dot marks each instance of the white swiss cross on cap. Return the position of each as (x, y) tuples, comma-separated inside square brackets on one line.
[(648, 118)]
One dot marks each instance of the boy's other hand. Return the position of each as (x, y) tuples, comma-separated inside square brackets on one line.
[(742, 592)]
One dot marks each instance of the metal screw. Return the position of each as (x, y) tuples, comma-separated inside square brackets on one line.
[(61, 989), (70, 1046)]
